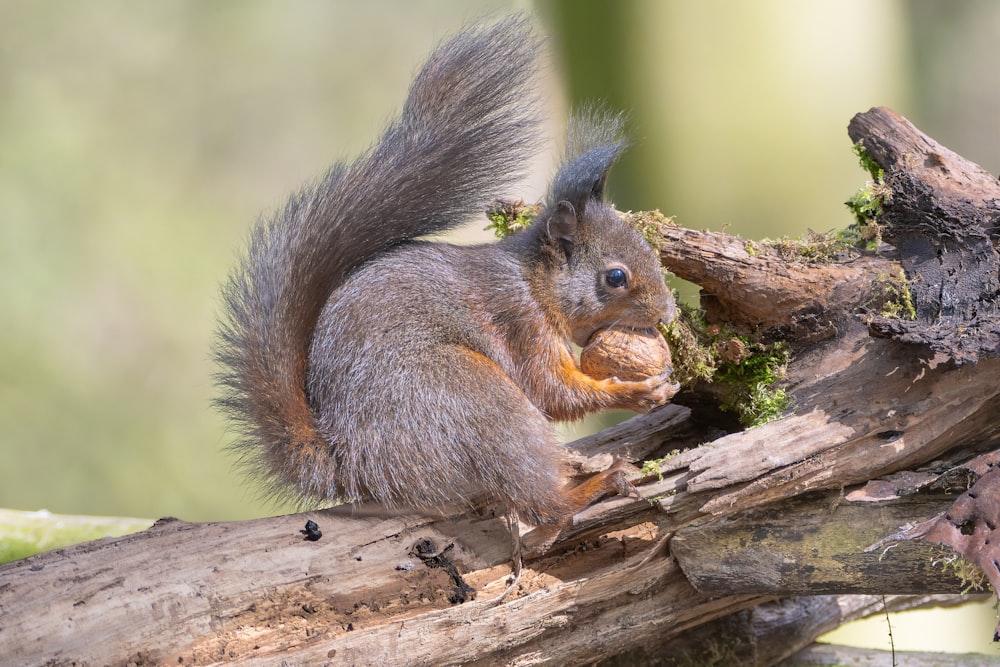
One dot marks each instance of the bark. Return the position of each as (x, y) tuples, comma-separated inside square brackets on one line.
[(725, 549)]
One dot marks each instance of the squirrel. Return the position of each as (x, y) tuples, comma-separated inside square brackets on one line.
[(364, 363)]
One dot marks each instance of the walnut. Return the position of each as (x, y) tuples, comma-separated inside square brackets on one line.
[(628, 354)]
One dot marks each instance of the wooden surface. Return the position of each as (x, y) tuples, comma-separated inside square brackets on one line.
[(815, 545)]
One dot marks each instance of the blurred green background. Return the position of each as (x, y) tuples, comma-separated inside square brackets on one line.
[(138, 141)]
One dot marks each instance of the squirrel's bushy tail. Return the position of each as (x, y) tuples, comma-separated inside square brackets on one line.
[(462, 139)]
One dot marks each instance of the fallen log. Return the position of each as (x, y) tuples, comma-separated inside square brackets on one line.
[(891, 381)]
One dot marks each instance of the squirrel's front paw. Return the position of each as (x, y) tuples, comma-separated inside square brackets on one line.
[(644, 395)]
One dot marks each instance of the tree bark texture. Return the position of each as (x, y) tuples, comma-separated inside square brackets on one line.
[(747, 543)]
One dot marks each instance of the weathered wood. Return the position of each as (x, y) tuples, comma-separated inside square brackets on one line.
[(216, 592), (638, 438), (874, 411), (752, 284), (943, 218), (254, 590), (613, 584), (815, 544)]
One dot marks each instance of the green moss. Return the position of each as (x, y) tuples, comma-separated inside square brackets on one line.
[(971, 575), (894, 292), (868, 202), (690, 346), (867, 162), (653, 466), (751, 393), (744, 371), (866, 205), (819, 247), (649, 224), (508, 218), (814, 247), (865, 235)]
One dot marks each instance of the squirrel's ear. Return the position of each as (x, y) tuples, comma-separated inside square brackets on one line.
[(584, 178), (561, 227), (596, 139)]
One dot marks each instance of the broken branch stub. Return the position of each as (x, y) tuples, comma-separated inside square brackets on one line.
[(943, 217)]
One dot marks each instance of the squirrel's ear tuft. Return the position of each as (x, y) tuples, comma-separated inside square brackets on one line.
[(595, 141)]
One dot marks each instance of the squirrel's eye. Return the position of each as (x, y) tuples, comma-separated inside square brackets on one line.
[(616, 278)]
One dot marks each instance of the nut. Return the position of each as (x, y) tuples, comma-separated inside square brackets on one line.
[(628, 354)]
